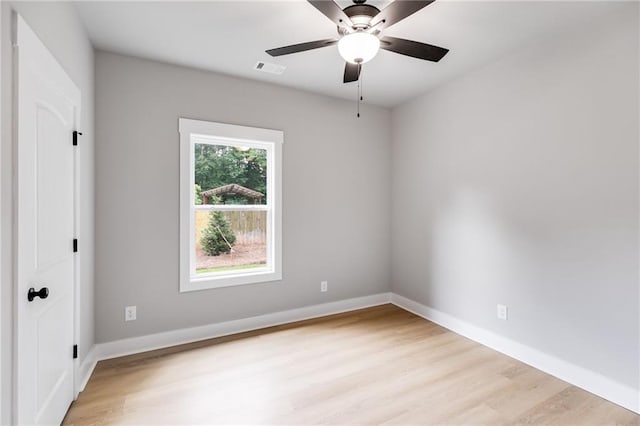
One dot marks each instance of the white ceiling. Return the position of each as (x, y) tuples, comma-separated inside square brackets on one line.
[(231, 36)]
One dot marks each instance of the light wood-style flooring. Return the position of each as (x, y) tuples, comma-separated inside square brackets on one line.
[(379, 365)]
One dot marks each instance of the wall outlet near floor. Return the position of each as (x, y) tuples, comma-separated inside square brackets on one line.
[(130, 313), (324, 285), (502, 312)]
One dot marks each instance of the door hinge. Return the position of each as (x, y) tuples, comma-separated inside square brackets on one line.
[(75, 245), (75, 351), (75, 137)]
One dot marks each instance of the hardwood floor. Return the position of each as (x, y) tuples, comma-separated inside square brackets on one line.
[(380, 365)]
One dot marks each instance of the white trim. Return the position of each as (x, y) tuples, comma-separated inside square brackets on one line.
[(86, 369), (232, 207), (229, 131), (135, 345), (588, 380), (2, 224), (76, 256)]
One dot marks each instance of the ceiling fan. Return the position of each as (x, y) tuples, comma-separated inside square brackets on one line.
[(360, 27)]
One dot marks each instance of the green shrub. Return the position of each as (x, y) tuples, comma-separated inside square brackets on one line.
[(197, 199), (217, 237)]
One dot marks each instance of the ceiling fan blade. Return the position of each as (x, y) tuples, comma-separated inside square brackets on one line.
[(301, 47), (412, 48), (332, 11), (351, 72), (397, 11)]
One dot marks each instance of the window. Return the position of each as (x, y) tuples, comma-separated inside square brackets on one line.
[(230, 205)]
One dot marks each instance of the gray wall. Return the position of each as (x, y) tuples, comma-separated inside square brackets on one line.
[(518, 184), (5, 227), (335, 182), (58, 26)]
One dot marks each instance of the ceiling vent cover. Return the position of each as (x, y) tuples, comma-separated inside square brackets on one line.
[(269, 68)]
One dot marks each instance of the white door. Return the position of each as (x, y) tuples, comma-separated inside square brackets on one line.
[(47, 107)]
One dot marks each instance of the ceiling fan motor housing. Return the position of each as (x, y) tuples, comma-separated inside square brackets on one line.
[(361, 15)]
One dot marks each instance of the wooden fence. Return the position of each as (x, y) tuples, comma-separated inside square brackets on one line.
[(248, 226)]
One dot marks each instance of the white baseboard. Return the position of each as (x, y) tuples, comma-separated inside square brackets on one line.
[(86, 369), (588, 380), (134, 345)]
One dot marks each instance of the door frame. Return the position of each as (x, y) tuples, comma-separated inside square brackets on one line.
[(76, 255), (15, 18)]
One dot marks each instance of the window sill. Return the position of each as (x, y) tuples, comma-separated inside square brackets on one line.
[(207, 282)]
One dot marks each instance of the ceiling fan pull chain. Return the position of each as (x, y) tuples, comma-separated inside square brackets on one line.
[(359, 93), (361, 83), (358, 98)]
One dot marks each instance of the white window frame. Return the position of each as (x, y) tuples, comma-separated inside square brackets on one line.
[(196, 131)]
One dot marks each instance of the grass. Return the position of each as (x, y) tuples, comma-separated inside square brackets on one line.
[(230, 268)]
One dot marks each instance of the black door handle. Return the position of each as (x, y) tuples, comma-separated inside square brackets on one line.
[(43, 293)]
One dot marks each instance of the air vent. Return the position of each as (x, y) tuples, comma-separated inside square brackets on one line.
[(270, 68)]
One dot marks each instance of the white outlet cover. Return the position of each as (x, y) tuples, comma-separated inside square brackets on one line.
[(324, 286), (502, 312), (130, 313)]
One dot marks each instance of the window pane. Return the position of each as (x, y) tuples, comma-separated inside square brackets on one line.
[(230, 240), (229, 174)]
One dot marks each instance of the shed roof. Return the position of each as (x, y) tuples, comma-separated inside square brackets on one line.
[(233, 189)]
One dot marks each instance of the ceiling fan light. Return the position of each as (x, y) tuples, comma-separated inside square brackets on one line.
[(358, 47)]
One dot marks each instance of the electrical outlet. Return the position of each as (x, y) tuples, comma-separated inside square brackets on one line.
[(502, 312), (324, 286), (130, 313)]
